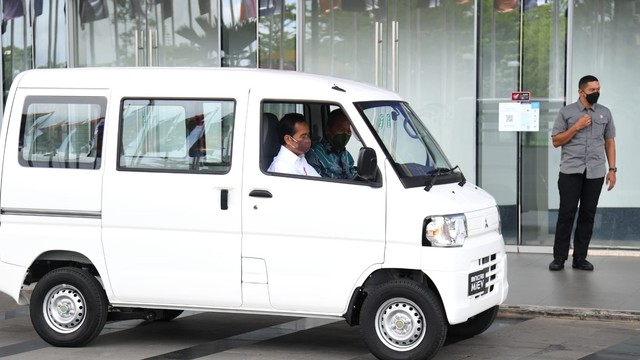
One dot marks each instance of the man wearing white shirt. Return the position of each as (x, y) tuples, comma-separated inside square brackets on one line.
[(295, 141)]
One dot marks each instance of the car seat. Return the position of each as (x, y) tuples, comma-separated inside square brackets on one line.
[(270, 140)]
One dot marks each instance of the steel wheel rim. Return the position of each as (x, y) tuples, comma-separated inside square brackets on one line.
[(64, 308), (400, 324)]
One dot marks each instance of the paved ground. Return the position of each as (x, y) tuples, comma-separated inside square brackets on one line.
[(234, 337), (565, 315), (610, 292)]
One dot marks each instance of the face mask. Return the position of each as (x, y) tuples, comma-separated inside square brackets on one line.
[(303, 145), (339, 141), (593, 98)]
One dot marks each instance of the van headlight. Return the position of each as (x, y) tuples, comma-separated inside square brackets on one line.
[(446, 230)]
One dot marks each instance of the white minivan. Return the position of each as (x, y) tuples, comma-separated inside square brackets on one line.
[(143, 192)]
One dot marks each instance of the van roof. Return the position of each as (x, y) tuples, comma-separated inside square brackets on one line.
[(278, 82)]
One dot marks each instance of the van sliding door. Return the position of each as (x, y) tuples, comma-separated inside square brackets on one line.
[(171, 206)]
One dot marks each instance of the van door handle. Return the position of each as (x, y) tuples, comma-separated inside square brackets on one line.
[(224, 199), (260, 193)]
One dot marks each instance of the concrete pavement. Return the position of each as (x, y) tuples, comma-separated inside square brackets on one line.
[(611, 291), (565, 315)]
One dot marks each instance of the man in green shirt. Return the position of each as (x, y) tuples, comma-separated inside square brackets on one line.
[(329, 157)]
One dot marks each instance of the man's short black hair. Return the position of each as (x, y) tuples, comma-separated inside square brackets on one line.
[(287, 125), (585, 80), (334, 116)]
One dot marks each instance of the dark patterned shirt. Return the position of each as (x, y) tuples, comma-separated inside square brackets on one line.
[(331, 164)]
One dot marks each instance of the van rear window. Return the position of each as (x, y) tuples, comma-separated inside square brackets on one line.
[(176, 135), (62, 132)]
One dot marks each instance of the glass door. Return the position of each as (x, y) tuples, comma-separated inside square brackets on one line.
[(344, 38), (522, 48), (145, 33), (609, 32), (424, 50), (431, 62)]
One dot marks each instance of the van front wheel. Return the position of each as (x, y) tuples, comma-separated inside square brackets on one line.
[(402, 320), (68, 307)]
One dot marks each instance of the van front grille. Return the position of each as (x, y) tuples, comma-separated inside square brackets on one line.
[(482, 221), (491, 266)]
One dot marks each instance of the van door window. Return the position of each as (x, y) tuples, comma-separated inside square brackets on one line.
[(335, 144), (62, 132), (176, 135)]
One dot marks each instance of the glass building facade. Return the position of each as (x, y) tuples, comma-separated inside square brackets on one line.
[(455, 61)]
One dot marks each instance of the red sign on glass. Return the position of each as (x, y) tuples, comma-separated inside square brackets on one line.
[(521, 96)]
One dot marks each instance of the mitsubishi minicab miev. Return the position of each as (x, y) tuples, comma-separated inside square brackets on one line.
[(143, 192)]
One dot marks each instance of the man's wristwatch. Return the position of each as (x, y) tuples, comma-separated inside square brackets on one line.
[(614, 169)]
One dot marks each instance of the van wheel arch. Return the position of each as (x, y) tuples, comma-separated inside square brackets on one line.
[(52, 260), (380, 277)]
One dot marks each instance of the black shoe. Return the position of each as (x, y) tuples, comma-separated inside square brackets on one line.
[(556, 265), (582, 264)]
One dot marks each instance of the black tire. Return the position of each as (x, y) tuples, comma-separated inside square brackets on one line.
[(475, 325), (403, 320), (168, 315), (68, 307)]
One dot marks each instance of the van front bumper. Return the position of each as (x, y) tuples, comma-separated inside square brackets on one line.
[(11, 279), (471, 278)]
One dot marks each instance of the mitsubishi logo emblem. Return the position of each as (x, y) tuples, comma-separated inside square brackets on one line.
[(486, 223)]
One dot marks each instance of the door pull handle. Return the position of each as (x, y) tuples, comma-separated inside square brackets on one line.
[(260, 193), (224, 199)]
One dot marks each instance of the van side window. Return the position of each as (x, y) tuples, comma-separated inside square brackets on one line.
[(335, 143), (176, 135), (62, 132)]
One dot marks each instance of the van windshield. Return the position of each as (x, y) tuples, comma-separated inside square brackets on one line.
[(414, 153)]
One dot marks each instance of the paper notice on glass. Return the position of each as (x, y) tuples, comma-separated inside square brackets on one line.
[(514, 116)]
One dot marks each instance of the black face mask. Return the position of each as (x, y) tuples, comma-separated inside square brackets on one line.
[(593, 97)]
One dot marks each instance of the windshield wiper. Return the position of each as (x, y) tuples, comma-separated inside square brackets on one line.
[(438, 172), (442, 171), (464, 179)]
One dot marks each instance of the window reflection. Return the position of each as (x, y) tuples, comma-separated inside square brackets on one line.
[(62, 132), (177, 135), (277, 34), (238, 33)]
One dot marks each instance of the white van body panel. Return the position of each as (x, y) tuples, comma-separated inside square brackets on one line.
[(459, 306), (53, 210), (316, 237), (62, 192), (11, 281), (12, 276), (175, 215), (447, 267)]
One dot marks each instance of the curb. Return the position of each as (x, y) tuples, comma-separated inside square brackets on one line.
[(530, 311)]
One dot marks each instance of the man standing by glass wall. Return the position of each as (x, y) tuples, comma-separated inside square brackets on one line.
[(586, 133)]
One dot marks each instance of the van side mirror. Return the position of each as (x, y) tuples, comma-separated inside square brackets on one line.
[(367, 164)]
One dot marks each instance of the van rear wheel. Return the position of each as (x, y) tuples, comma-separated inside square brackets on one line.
[(68, 307), (402, 320)]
